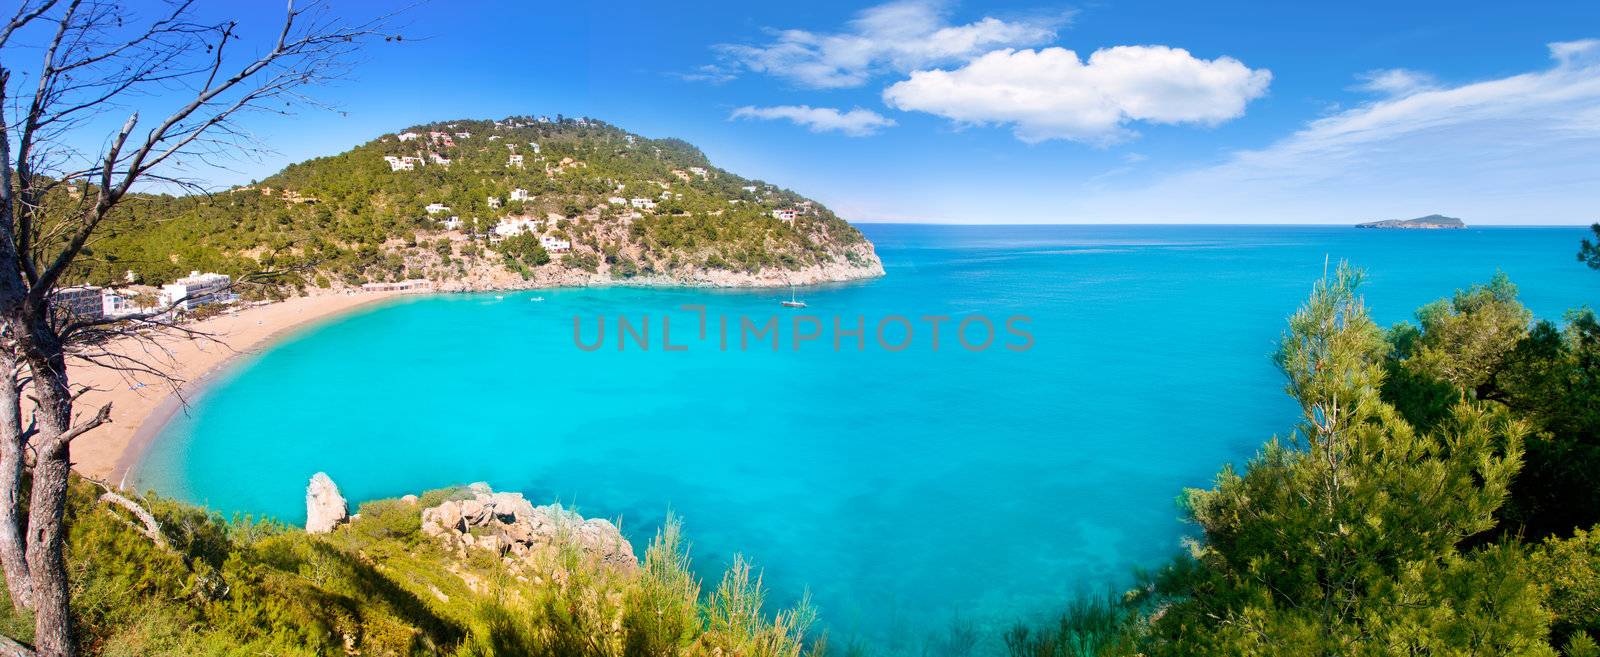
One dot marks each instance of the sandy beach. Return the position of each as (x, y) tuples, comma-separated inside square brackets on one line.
[(141, 403)]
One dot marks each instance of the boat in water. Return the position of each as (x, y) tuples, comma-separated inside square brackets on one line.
[(792, 302)]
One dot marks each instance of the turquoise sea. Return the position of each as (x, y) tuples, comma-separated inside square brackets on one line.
[(906, 489)]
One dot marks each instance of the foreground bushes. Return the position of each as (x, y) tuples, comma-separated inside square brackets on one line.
[(377, 586)]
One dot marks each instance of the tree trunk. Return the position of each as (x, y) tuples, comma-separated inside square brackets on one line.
[(12, 453), (52, 470)]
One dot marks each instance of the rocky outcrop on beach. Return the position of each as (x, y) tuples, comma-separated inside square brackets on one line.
[(510, 526), (325, 507)]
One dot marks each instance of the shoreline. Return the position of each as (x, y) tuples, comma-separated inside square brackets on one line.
[(142, 405), (141, 411)]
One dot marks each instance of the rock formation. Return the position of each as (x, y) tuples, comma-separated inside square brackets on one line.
[(511, 526), (325, 507)]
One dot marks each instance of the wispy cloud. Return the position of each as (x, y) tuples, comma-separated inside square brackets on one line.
[(1052, 94), (894, 37), (857, 122), (1517, 149), (1396, 81)]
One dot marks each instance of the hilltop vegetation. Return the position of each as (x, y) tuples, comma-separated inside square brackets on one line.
[(352, 218)]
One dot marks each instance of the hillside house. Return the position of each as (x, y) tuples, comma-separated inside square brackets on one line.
[(554, 245), (509, 226), (784, 215), (436, 208), (520, 194), (408, 136), (514, 161), (643, 203)]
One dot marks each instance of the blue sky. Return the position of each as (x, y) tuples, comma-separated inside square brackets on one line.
[(1030, 112)]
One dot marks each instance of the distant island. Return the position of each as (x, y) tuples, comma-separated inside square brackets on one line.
[(1430, 222)]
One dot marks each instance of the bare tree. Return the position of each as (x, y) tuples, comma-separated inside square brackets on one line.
[(59, 185)]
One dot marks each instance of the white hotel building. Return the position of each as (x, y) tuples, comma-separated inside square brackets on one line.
[(197, 290)]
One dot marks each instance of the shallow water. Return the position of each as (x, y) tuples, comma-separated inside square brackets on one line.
[(906, 489)]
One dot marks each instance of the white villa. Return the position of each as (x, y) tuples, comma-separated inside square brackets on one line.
[(617, 200), (494, 201), (520, 194), (453, 223), (749, 188), (439, 159), (197, 290), (509, 226), (463, 135), (643, 203), (534, 146), (699, 171), (436, 208), (554, 245), (784, 215), (408, 136), (401, 163), (514, 161)]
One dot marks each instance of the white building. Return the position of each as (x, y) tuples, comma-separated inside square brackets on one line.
[(749, 188), (197, 290), (784, 215), (617, 200), (699, 171), (554, 245), (463, 135), (494, 201), (534, 146), (436, 208), (520, 194), (453, 223), (643, 203), (80, 302), (399, 163), (514, 161), (439, 159), (509, 226), (408, 136)]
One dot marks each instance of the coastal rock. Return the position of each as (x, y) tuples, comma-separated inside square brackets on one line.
[(325, 507), (509, 525)]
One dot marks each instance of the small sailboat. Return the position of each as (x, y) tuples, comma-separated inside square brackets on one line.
[(536, 299), (792, 302)]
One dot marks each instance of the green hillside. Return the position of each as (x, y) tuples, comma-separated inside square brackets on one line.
[(350, 218)]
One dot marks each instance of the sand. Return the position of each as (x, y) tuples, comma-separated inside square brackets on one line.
[(141, 404)]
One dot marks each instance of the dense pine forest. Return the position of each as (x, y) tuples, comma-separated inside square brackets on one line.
[(629, 207)]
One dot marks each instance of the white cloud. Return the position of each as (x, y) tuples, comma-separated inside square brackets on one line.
[(1395, 81), (857, 122), (898, 36), (1517, 149), (1051, 94)]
